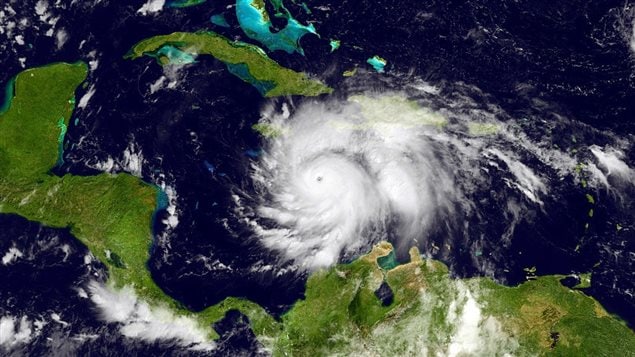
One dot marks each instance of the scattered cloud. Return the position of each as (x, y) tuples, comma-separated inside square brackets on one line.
[(137, 319)]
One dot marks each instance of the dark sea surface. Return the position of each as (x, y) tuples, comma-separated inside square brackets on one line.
[(535, 59)]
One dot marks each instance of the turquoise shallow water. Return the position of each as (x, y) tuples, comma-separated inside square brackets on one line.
[(388, 262), (175, 55), (241, 71), (378, 63), (8, 95), (60, 141), (219, 20), (335, 44), (257, 26)]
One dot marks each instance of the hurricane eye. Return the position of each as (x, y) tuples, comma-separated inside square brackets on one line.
[(319, 179)]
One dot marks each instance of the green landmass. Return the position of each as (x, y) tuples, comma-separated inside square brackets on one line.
[(103, 211), (482, 129), (267, 130), (350, 72), (110, 213), (398, 110), (261, 69), (585, 281), (185, 3), (430, 312), (262, 8)]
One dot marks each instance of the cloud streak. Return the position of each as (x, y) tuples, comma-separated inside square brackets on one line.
[(137, 319)]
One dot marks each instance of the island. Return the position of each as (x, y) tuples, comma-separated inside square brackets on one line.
[(245, 61), (184, 3), (335, 44), (378, 63), (256, 23), (374, 305)]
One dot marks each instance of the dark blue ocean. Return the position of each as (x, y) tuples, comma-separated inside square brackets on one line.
[(574, 62)]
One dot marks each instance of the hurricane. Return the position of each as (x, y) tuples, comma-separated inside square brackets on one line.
[(337, 176)]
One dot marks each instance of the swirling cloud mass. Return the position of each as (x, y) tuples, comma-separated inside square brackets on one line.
[(338, 180), (336, 177)]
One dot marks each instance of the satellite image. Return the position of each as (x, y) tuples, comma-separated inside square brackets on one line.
[(317, 178)]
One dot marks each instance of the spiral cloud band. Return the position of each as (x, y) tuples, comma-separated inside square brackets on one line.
[(337, 177)]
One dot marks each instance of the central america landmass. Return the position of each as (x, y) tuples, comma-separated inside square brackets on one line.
[(112, 215)]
